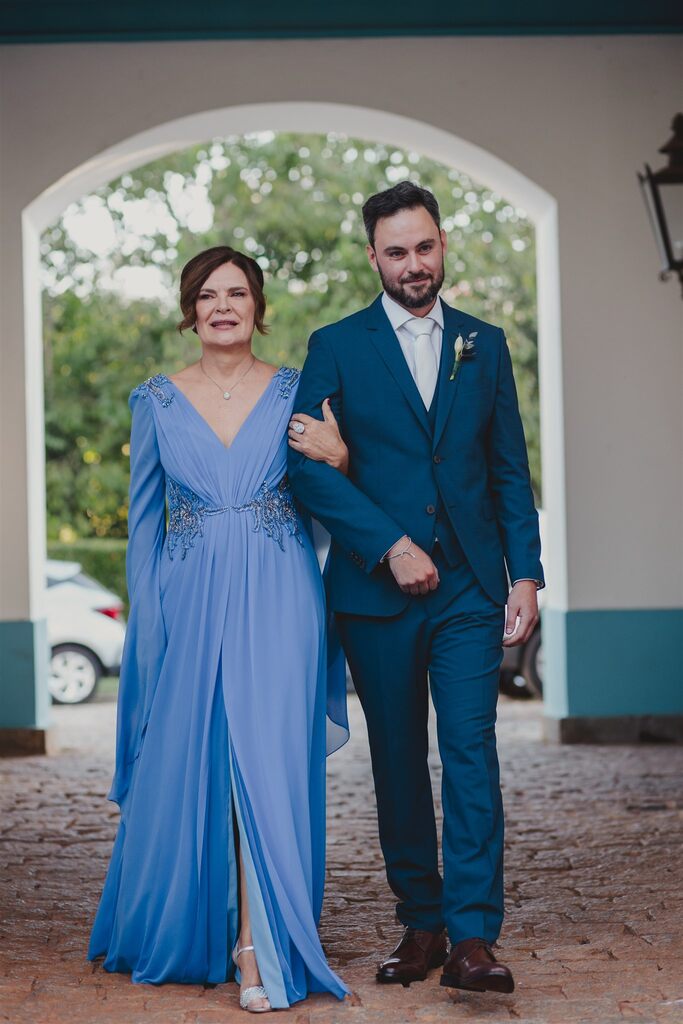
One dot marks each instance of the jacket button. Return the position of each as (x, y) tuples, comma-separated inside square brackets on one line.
[(436, 459), (430, 510)]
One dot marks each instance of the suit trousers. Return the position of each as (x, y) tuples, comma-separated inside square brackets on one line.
[(451, 637)]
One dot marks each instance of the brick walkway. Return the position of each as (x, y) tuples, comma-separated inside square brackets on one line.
[(594, 930)]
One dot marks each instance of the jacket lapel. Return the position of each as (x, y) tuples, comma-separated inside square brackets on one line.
[(385, 341), (453, 324)]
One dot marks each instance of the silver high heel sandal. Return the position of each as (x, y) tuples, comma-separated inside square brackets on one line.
[(253, 992)]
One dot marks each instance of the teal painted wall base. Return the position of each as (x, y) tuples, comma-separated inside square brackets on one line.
[(613, 664), (24, 697)]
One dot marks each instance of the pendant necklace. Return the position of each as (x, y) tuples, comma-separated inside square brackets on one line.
[(227, 393)]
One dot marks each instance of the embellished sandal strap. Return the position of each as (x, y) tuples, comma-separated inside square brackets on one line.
[(242, 949), (252, 993)]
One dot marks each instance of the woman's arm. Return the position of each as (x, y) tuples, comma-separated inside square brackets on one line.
[(147, 498), (319, 440), (357, 523)]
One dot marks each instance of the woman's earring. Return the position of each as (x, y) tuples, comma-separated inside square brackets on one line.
[(194, 327)]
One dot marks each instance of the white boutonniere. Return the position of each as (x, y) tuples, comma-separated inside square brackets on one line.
[(464, 349)]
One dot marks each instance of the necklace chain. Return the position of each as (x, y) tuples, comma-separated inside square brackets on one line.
[(227, 392)]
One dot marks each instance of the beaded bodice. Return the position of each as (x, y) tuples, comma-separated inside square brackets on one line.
[(271, 509)]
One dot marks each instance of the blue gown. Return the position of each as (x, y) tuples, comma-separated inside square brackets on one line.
[(230, 696)]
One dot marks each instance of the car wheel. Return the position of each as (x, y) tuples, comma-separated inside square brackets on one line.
[(74, 674), (533, 664), (512, 684)]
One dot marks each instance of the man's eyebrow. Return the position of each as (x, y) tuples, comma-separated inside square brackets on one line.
[(424, 241)]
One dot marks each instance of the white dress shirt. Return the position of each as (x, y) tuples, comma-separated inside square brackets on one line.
[(398, 316)]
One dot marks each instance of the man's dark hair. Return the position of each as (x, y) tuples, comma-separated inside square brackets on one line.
[(404, 196)]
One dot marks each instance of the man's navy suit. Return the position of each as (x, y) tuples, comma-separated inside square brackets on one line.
[(455, 478)]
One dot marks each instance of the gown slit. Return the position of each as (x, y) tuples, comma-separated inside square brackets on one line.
[(262, 938)]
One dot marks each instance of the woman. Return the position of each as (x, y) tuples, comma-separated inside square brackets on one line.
[(218, 863)]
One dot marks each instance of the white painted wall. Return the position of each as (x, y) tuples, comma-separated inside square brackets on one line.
[(572, 118)]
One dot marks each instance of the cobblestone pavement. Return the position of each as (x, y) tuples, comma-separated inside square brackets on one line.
[(594, 919)]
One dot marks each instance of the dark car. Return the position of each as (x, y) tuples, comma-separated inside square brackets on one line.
[(521, 673)]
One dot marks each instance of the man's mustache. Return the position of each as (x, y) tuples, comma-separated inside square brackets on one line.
[(416, 280)]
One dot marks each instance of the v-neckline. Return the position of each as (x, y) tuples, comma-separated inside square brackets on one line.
[(195, 410)]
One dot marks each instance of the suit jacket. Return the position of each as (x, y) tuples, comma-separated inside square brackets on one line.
[(474, 460)]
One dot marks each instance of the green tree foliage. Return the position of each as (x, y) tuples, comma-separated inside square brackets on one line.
[(293, 202)]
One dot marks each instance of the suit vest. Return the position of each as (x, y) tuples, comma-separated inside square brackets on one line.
[(443, 530)]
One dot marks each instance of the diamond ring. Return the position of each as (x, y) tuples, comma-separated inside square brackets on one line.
[(297, 427)]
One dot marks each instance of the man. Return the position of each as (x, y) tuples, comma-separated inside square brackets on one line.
[(437, 498)]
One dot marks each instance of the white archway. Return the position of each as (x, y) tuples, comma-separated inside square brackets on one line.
[(375, 125)]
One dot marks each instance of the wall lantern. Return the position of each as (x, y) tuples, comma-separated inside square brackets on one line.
[(663, 194)]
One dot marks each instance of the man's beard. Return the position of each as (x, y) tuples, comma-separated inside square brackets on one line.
[(413, 299)]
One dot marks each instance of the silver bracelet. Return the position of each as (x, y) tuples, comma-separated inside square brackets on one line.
[(406, 551)]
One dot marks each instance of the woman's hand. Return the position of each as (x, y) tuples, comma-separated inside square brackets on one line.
[(319, 440)]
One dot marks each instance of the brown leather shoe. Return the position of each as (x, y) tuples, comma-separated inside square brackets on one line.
[(472, 965), (415, 954)]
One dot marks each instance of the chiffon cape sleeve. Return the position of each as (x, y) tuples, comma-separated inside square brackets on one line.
[(337, 732), (337, 725), (145, 642)]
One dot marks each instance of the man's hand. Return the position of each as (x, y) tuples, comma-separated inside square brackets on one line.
[(414, 575), (522, 603), (319, 440)]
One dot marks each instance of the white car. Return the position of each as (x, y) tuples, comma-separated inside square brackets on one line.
[(85, 627)]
